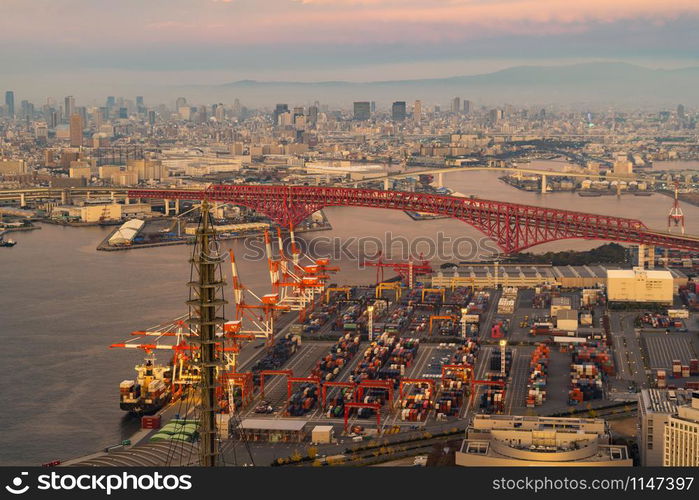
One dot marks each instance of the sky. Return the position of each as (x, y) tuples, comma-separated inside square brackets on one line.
[(81, 44)]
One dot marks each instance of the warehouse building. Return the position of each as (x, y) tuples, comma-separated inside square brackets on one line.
[(518, 441), (126, 232), (531, 275), (567, 320), (271, 430), (640, 285), (90, 212), (559, 304), (244, 227)]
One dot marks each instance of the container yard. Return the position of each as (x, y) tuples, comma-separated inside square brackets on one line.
[(368, 358), (391, 358)]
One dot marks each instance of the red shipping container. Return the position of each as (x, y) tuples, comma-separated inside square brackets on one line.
[(150, 422)]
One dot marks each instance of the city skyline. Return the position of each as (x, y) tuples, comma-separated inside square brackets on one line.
[(209, 42)]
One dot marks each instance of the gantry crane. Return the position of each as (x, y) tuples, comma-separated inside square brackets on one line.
[(406, 270), (261, 326)]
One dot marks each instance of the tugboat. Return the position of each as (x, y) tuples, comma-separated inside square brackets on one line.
[(7, 243)]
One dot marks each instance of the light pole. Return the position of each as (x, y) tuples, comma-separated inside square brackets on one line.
[(370, 322)]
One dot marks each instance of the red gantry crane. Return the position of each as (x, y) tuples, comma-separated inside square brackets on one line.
[(256, 319), (406, 270)]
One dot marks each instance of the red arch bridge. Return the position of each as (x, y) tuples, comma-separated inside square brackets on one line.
[(513, 227)]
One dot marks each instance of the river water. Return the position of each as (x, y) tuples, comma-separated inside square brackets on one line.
[(63, 303)]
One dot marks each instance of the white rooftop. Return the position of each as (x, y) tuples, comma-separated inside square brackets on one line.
[(269, 424)]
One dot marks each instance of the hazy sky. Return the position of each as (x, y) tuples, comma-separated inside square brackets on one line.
[(81, 43)]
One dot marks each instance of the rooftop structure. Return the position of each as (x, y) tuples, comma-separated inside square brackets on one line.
[(640, 285), (516, 441), (655, 407)]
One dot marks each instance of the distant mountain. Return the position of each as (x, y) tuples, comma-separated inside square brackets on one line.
[(589, 83)]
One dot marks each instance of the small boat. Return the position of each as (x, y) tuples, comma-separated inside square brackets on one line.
[(7, 243)]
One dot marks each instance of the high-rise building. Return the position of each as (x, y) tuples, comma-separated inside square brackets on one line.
[(495, 115), (467, 106), (278, 110), (69, 108), (27, 110), (98, 117), (654, 409), (680, 111), (372, 106), (417, 112), (398, 111), (52, 118), (140, 106), (76, 130), (362, 110), (682, 436), (456, 105), (151, 117), (82, 111), (313, 115), (219, 112), (10, 103), (111, 101)]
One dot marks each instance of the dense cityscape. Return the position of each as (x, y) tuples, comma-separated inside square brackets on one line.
[(76, 166), (333, 234)]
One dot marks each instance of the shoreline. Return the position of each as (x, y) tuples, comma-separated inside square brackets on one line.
[(105, 247)]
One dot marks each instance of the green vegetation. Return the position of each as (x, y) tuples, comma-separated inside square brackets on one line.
[(610, 253)]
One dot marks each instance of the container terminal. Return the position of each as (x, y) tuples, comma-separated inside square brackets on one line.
[(413, 360)]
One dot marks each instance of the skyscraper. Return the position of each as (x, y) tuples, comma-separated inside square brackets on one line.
[(362, 110), (398, 111), (76, 130), (180, 102), (140, 107), (417, 111), (27, 112), (456, 105), (69, 108), (313, 115), (10, 103), (279, 109), (495, 115), (467, 106)]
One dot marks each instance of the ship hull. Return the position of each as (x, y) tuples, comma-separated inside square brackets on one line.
[(140, 408)]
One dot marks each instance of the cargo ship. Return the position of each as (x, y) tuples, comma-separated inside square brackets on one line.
[(150, 391)]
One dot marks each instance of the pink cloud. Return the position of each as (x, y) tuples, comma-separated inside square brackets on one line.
[(340, 21)]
